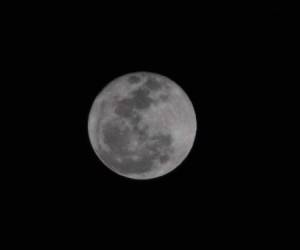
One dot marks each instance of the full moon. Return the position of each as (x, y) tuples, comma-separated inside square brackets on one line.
[(142, 125)]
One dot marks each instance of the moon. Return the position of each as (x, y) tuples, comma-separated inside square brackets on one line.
[(142, 125)]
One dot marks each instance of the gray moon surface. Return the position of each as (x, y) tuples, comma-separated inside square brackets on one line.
[(142, 125)]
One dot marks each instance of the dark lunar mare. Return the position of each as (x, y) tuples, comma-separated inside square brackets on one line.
[(133, 79), (153, 84), (127, 107), (118, 140), (161, 146)]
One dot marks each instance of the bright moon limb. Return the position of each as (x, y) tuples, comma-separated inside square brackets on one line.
[(142, 125)]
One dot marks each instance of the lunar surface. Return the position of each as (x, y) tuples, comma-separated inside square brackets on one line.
[(142, 125)]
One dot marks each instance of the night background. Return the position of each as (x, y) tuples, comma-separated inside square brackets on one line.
[(226, 60)]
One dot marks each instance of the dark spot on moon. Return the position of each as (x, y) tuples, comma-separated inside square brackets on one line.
[(133, 79), (160, 142), (164, 158), (153, 84), (162, 147), (116, 138), (164, 97), (118, 141), (140, 100), (124, 108)]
